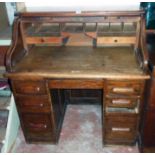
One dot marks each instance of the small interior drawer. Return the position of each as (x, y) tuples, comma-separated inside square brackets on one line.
[(122, 102), (29, 87), (124, 87), (27, 103), (116, 39)]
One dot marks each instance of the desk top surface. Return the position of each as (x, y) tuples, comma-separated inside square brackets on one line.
[(80, 62)]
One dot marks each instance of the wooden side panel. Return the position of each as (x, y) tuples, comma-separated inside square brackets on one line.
[(147, 143), (149, 129), (3, 50)]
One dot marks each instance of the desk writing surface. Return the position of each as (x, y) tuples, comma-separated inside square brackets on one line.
[(80, 62)]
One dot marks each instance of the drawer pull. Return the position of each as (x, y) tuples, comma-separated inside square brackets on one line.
[(38, 89), (120, 101), (121, 129), (41, 104), (45, 126), (123, 90), (38, 125)]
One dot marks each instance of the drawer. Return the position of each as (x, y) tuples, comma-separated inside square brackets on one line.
[(122, 102), (121, 129), (124, 88), (33, 103), (38, 128), (116, 40), (29, 87), (46, 137), (119, 135), (121, 118), (37, 122)]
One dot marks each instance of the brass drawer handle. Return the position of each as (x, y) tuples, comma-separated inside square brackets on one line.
[(120, 101), (121, 129), (123, 90)]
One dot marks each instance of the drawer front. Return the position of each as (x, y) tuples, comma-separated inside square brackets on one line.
[(122, 102), (37, 122), (33, 103), (38, 128), (29, 87), (124, 88), (42, 137), (120, 135), (121, 129), (121, 118)]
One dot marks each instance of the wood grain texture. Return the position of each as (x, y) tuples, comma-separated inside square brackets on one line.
[(116, 40), (42, 75), (3, 50), (81, 62), (76, 84), (120, 130), (84, 13)]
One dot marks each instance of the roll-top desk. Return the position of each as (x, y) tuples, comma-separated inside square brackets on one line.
[(52, 53)]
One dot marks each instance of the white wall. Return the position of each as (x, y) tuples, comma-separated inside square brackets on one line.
[(10, 7), (80, 5)]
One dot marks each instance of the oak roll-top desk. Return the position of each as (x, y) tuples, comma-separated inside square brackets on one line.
[(55, 52)]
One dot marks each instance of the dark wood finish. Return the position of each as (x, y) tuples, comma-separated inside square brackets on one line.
[(113, 17), (76, 84), (121, 129), (127, 102), (38, 128), (35, 101), (84, 13), (59, 58), (79, 63), (121, 111), (36, 104), (84, 96), (30, 87), (3, 50), (124, 87), (147, 134)]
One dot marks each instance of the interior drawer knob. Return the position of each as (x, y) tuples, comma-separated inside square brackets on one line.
[(115, 40), (42, 40)]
